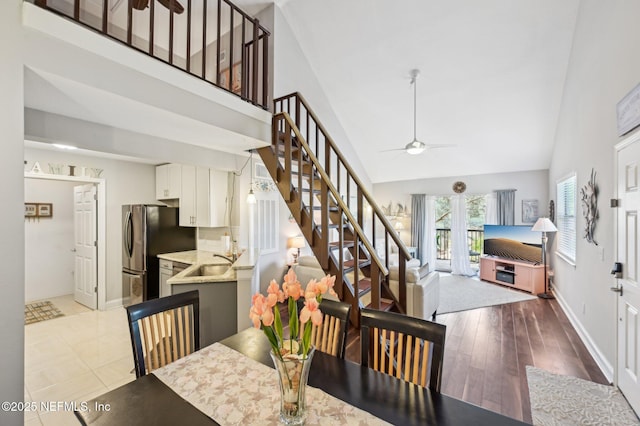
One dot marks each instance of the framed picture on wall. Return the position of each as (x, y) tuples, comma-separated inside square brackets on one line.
[(232, 79), (30, 210), (45, 210), (529, 211)]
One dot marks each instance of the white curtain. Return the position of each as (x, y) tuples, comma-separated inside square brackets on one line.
[(460, 262), (491, 212), (430, 233)]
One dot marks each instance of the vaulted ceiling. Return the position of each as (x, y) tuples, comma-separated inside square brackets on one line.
[(491, 83)]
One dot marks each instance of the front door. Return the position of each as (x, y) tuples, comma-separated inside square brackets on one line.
[(86, 247), (628, 253)]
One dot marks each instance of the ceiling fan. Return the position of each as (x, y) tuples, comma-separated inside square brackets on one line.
[(174, 6), (416, 147)]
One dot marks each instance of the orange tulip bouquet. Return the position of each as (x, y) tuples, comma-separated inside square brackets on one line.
[(292, 355)]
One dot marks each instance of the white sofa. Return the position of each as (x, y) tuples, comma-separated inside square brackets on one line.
[(423, 294)]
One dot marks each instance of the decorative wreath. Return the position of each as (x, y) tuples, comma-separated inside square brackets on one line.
[(459, 187)]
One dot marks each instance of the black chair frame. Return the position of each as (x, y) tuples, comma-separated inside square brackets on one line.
[(155, 306), (423, 329)]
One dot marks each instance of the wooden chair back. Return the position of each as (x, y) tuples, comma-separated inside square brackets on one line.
[(331, 336), (408, 348), (164, 330)]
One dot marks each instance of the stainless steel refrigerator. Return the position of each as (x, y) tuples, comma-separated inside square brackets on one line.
[(147, 231)]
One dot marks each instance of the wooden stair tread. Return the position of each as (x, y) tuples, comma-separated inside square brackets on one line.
[(345, 244), (364, 286), (385, 305), (350, 263)]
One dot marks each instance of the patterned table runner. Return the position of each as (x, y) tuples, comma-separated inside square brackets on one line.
[(231, 388)]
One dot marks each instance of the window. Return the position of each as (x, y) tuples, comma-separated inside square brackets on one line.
[(266, 222), (566, 218)]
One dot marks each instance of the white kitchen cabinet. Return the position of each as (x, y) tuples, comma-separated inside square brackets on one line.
[(203, 199), (166, 272), (218, 182), (168, 178)]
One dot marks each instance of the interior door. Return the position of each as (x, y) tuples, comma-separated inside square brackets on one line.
[(628, 358), (86, 247)]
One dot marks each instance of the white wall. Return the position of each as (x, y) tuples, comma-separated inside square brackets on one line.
[(49, 261), (293, 73), (12, 223), (528, 185), (603, 68), (126, 183)]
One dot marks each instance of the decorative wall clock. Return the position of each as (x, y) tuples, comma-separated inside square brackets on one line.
[(459, 187)]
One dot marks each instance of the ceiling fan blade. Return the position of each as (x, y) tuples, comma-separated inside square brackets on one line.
[(394, 149), (439, 145), (177, 7)]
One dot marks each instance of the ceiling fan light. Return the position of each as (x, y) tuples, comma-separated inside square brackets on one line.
[(415, 148)]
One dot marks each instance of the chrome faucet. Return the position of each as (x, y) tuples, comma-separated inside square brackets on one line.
[(230, 260)]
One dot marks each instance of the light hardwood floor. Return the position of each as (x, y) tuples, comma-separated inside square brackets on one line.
[(487, 349)]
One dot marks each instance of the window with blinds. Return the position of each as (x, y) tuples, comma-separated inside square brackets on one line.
[(566, 218), (266, 222)]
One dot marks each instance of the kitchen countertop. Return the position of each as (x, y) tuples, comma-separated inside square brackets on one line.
[(197, 258)]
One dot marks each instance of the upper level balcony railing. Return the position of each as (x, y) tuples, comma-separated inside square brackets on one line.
[(443, 244), (210, 39)]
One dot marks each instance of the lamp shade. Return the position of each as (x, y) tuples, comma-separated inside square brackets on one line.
[(544, 224), (296, 242)]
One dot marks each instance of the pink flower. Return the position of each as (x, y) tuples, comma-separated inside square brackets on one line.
[(312, 289), (326, 284), (311, 311), (261, 311), (291, 286), (274, 294)]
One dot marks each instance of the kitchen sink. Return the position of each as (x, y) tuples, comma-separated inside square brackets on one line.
[(210, 270)]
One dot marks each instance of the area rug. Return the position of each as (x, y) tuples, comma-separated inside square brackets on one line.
[(40, 311), (458, 293), (566, 400)]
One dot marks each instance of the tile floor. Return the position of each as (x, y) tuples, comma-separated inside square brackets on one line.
[(75, 358)]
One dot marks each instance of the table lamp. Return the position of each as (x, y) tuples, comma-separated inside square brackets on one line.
[(296, 243), (545, 225)]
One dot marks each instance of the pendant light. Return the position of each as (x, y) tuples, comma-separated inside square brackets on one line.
[(251, 197)]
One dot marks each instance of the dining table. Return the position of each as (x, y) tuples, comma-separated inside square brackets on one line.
[(233, 382)]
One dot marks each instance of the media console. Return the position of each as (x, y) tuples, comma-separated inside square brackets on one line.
[(512, 273)]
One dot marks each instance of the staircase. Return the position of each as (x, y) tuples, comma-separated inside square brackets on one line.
[(347, 231)]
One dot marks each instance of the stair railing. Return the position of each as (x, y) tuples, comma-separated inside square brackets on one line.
[(283, 124), (239, 63), (345, 178)]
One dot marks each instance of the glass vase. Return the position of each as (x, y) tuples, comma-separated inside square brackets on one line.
[(293, 372)]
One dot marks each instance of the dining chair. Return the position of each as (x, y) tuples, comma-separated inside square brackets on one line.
[(408, 348), (331, 336), (164, 330)]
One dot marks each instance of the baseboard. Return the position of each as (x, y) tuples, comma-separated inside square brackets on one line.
[(113, 304), (605, 366)]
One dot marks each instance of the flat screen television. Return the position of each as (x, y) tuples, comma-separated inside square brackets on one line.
[(517, 242)]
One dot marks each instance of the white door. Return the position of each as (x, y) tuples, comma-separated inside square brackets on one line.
[(628, 241), (86, 247)]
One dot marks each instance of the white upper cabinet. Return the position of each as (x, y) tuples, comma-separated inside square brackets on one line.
[(168, 178), (218, 182), (203, 200)]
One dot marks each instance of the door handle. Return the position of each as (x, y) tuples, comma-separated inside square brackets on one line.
[(617, 289)]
